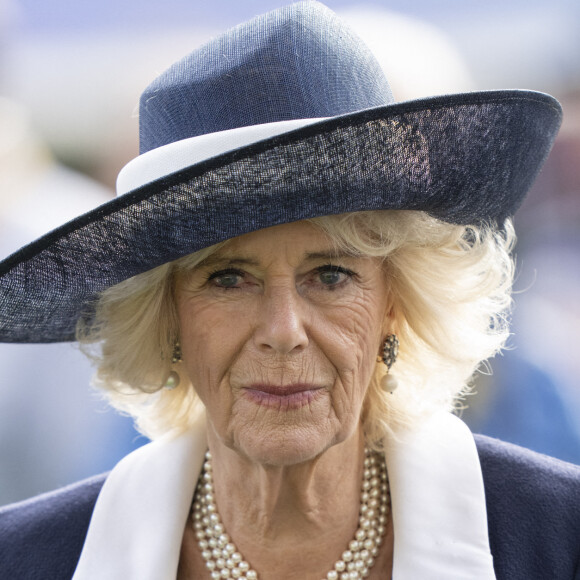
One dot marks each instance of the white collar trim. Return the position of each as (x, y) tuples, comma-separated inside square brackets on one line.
[(437, 494), (438, 503)]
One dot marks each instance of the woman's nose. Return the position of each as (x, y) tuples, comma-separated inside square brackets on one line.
[(281, 323)]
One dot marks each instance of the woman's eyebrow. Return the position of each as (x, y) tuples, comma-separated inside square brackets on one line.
[(224, 260), (228, 261), (328, 255)]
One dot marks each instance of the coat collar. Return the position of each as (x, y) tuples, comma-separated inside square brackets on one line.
[(437, 494)]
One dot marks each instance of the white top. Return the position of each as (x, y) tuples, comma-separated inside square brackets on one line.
[(437, 495)]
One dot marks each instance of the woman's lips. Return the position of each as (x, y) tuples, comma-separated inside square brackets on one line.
[(283, 398)]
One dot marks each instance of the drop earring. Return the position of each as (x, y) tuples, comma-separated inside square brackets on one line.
[(389, 356), (174, 379), (176, 354)]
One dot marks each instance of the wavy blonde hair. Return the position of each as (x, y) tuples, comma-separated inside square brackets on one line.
[(450, 289)]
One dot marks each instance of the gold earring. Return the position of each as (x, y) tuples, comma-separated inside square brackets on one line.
[(176, 354)]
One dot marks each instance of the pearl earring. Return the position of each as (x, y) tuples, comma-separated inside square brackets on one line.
[(174, 379), (389, 356)]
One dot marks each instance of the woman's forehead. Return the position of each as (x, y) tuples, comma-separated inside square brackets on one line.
[(297, 239), (301, 231)]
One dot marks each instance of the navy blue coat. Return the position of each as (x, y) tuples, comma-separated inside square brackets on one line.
[(533, 505)]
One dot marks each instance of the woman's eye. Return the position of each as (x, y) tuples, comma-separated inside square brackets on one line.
[(333, 275), (226, 278)]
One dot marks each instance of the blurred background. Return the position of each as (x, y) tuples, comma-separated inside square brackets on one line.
[(70, 78)]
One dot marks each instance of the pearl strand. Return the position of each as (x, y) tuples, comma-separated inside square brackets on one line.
[(223, 559)]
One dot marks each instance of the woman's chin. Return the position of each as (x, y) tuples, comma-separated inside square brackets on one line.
[(282, 455), (286, 434), (284, 445)]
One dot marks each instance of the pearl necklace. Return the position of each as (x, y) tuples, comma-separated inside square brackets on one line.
[(223, 559)]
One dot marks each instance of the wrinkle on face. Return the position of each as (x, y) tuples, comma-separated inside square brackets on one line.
[(278, 326)]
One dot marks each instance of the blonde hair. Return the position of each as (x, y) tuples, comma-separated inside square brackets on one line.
[(449, 286)]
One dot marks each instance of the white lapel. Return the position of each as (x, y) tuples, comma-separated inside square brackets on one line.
[(439, 514), (137, 525), (438, 503)]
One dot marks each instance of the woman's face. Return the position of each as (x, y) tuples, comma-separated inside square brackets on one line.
[(279, 335)]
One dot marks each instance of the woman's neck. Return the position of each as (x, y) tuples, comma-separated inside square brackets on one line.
[(291, 522), (274, 502)]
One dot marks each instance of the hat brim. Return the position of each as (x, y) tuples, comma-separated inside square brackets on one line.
[(465, 159)]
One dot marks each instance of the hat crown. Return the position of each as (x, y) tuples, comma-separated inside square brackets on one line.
[(297, 62)]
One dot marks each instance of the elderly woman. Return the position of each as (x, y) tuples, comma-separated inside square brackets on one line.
[(286, 227)]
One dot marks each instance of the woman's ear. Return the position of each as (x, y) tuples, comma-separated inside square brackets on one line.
[(389, 324)]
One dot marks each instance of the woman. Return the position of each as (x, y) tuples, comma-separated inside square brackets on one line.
[(284, 229)]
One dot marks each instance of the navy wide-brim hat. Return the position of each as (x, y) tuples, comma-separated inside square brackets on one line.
[(283, 118)]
